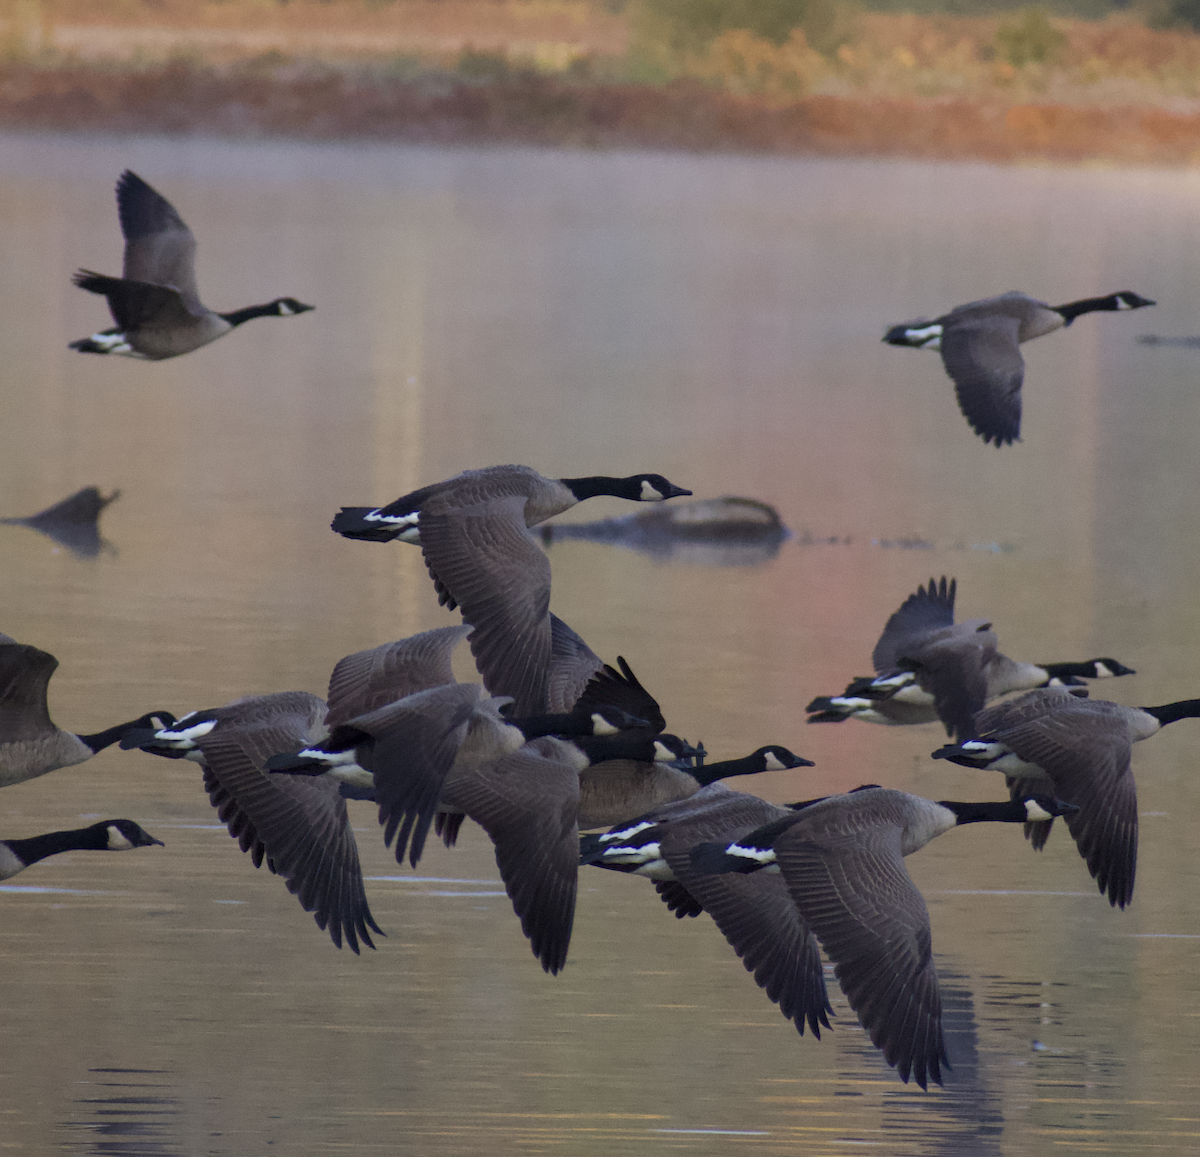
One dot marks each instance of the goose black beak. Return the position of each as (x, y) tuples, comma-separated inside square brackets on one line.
[(674, 491)]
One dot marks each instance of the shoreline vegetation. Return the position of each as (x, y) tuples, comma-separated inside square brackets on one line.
[(1023, 86)]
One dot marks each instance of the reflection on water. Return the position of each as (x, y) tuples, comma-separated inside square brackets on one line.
[(74, 522), (716, 320), (134, 1122)]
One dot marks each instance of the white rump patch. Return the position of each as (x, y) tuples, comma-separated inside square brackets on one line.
[(929, 338), (626, 833), (394, 519), (117, 842), (852, 704), (633, 855), (915, 695), (758, 855), (329, 758), (185, 734), (114, 343), (353, 775)]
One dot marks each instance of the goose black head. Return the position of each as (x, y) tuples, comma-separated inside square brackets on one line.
[(121, 835), (654, 488), (287, 306), (776, 758), (1128, 300)]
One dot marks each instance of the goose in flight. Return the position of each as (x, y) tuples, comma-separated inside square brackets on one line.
[(155, 302), (980, 347)]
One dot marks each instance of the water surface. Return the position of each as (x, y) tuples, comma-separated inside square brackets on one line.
[(713, 319)]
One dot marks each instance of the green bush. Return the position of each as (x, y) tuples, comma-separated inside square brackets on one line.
[(1028, 37), (692, 24)]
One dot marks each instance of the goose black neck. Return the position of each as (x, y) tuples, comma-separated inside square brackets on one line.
[(39, 847), (270, 309), (102, 739), (1069, 670), (624, 745), (596, 485), (1074, 309), (1169, 712), (726, 769), (1010, 811), (576, 723)]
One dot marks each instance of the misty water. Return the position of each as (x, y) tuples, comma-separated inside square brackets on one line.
[(716, 320)]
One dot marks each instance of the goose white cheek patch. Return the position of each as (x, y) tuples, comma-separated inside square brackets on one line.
[(116, 841)]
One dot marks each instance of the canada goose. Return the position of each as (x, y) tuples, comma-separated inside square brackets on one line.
[(842, 859), (754, 912), (474, 532), (616, 791), (155, 302), (74, 522), (930, 667), (1082, 749), (980, 347), (106, 836), (30, 743), (299, 825), (525, 802), (409, 754)]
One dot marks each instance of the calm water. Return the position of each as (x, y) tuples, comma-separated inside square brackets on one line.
[(718, 321)]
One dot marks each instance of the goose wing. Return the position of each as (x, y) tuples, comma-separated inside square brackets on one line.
[(853, 891), (24, 678), (298, 823), (1088, 756), (416, 741), (922, 613), (953, 668), (756, 915), (527, 804), (612, 688), (482, 556), (371, 679), (983, 357), (139, 304), (159, 247), (572, 665)]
